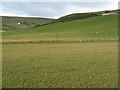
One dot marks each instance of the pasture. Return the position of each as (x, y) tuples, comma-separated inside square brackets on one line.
[(61, 65), (97, 28), (75, 54)]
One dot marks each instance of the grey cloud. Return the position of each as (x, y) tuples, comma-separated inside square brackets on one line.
[(49, 9)]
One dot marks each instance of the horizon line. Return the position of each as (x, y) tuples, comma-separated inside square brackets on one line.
[(27, 16)]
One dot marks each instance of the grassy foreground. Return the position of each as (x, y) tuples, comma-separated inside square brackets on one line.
[(82, 65)]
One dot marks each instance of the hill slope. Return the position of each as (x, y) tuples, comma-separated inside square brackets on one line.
[(102, 27), (16, 23), (77, 16)]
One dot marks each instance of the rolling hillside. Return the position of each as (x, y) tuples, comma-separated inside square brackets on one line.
[(96, 28), (78, 16), (16, 23)]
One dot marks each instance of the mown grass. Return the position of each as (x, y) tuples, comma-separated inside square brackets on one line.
[(61, 65)]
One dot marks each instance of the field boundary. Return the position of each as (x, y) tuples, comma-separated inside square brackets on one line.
[(50, 41)]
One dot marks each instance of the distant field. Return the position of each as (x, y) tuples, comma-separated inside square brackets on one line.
[(11, 23), (66, 65), (96, 28)]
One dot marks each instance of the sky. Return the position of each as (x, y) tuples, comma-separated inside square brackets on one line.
[(52, 9)]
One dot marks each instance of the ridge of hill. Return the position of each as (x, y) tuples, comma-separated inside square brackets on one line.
[(18, 23), (76, 16)]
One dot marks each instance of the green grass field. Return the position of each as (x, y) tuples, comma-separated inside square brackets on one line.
[(75, 65), (89, 64), (101, 27)]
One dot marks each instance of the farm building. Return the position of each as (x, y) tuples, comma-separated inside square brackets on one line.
[(19, 23)]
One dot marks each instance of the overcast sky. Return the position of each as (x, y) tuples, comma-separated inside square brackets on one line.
[(51, 9)]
